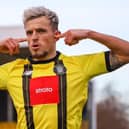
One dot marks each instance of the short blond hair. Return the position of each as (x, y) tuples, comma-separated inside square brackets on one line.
[(36, 12)]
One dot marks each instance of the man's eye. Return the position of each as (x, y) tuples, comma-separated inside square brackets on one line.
[(29, 33)]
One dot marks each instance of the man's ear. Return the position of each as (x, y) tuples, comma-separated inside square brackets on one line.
[(57, 35)]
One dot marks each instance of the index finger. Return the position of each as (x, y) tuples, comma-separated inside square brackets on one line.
[(60, 35), (19, 40)]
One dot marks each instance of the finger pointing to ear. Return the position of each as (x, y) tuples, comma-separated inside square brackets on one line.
[(19, 40)]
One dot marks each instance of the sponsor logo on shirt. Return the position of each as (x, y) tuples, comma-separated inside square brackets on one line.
[(43, 90)]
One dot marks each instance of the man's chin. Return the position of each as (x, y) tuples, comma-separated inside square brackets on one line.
[(37, 55)]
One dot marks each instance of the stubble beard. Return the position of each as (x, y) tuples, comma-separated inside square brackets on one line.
[(39, 56)]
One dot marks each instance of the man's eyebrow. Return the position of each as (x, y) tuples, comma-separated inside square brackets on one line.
[(40, 29)]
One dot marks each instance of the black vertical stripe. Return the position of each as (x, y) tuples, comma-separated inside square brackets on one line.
[(62, 79), (60, 70), (28, 108), (107, 53)]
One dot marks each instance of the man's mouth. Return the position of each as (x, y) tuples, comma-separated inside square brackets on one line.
[(35, 46)]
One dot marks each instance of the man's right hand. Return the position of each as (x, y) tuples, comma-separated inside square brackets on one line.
[(11, 45), (73, 36)]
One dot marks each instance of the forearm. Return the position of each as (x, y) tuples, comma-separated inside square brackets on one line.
[(115, 44)]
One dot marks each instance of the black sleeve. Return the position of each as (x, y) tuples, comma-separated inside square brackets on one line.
[(107, 53)]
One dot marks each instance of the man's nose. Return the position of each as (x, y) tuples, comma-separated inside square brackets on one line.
[(34, 35)]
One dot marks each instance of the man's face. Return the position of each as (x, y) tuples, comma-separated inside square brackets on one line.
[(41, 38)]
